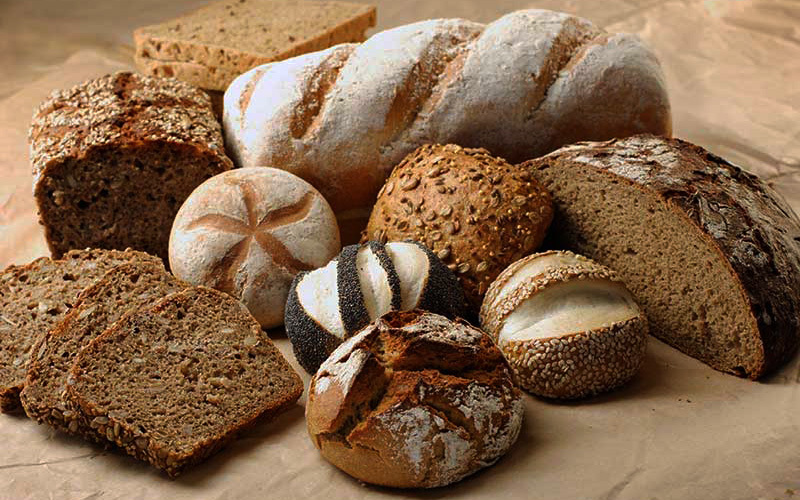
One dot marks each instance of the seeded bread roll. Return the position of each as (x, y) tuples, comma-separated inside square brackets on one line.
[(328, 305), (114, 158), (173, 383), (248, 232), (567, 325), (710, 252), (122, 289), (414, 401), (477, 212), (520, 87), (35, 297)]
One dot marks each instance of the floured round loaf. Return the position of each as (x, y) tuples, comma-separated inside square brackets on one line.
[(477, 212), (710, 252), (520, 87), (414, 401), (248, 232), (567, 325), (328, 305)]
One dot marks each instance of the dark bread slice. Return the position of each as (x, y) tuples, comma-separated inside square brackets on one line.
[(115, 157), (173, 383), (709, 251), (127, 287), (36, 297), (216, 43)]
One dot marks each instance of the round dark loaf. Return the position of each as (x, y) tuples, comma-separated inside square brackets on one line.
[(330, 304), (114, 158), (414, 400), (710, 252)]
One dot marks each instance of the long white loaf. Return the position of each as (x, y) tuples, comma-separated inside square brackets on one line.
[(521, 86)]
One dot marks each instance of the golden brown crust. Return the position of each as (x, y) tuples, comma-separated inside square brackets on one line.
[(475, 211)]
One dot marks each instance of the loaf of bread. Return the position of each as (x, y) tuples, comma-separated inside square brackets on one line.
[(709, 251), (567, 325), (520, 87), (248, 232), (330, 304), (414, 400), (173, 383), (35, 297), (114, 158)]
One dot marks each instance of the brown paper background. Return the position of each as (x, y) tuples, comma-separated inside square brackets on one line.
[(679, 431)]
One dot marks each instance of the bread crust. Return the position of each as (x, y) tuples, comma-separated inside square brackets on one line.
[(751, 229)]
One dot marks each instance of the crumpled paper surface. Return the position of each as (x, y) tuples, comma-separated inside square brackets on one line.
[(679, 430)]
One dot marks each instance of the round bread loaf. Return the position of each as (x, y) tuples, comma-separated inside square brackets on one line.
[(414, 400), (477, 212), (248, 232), (328, 305), (568, 326)]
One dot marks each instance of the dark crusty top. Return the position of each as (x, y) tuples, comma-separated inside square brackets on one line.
[(124, 108), (755, 229)]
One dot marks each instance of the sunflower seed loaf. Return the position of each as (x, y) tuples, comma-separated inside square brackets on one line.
[(475, 211), (113, 159), (414, 400), (330, 304), (567, 325), (213, 369), (35, 297), (124, 288)]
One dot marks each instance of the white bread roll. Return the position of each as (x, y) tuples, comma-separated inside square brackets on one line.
[(520, 87)]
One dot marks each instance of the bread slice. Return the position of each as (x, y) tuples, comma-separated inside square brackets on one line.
[(124, 288), (36, 297), (215, 44), (171, 384), (709, 251)]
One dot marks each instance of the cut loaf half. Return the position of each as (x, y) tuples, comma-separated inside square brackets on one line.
[(710, 252)]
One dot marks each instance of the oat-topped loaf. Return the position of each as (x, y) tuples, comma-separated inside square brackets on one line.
[(114, 158), (35, 297), (124, 288), (710, 252), (213, 45), (173, 383)]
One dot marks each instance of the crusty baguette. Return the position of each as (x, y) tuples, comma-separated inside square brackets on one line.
[(520, 87)]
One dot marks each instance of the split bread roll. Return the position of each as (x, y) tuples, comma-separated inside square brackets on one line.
[(520, 87), (709, 251), (567, 325), (414, 400)]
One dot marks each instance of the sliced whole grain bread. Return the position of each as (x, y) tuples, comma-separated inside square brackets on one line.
[(215, 44), (172, 383), (35, 297), (122, 289)]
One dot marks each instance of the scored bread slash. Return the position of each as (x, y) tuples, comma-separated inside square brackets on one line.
[(567, 325), (213, 45), (123, 289), (35, 297), (173, 383)]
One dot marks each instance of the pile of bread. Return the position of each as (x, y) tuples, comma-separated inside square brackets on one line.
[(449, 148)]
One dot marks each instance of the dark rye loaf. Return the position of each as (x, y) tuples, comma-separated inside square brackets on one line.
[(173, 383), (710, 252), (114, 158), (36, 297), (124, 288)]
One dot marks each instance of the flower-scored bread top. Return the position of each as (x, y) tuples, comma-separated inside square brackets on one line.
[(414, 400), (520, 87), (328, 305)]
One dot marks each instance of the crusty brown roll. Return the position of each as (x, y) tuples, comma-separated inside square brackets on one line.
[(477, 212), (520, 86), (414, 400), (567, 325)]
